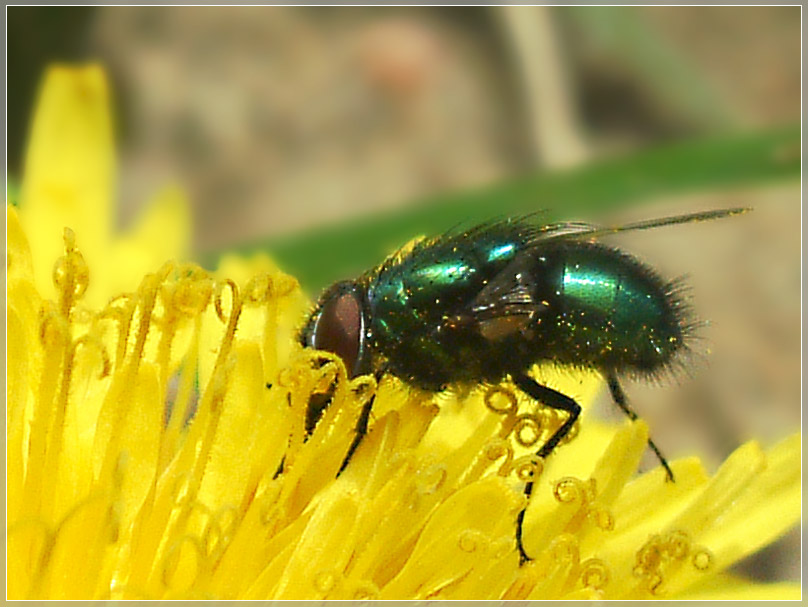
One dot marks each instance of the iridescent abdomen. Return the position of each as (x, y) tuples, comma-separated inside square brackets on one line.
[(612, 311)]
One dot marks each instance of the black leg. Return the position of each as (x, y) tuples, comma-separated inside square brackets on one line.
[(319, 402), (620, 400), (555, 400), (361, 424), (279, 471), (359, 433), (520, 519)]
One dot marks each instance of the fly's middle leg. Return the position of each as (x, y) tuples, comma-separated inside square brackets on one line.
[(555, 400)]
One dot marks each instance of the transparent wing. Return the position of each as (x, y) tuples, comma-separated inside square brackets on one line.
[(577, 229), (510, 292), (509, 302)]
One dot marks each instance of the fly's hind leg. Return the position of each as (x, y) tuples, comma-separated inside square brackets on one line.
[(619, 398), (555, 400)]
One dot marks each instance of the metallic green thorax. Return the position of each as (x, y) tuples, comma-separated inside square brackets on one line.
[(478, 306)]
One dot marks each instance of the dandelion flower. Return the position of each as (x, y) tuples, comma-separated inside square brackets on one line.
[(156, 442)]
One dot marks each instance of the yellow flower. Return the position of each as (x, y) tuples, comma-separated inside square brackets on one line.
[(156, 445)]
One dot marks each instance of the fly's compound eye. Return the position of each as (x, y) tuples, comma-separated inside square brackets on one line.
[(339, 327)]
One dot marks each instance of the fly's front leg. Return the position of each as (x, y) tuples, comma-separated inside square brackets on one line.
[(361, 428), (555, 400), (360, 431)]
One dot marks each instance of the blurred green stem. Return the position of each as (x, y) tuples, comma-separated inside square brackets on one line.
[(324, 254)]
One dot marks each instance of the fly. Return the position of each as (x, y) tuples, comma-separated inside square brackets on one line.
[(486, 304)]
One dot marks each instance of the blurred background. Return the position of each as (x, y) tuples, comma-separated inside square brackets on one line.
[(293, 128)]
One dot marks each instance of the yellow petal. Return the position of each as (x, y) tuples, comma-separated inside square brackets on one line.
[(463, 533), (162, 232), (732, 588), (229, 470), (768, 507), (314, 568), (69, 169), (90, 525), (18, 253)]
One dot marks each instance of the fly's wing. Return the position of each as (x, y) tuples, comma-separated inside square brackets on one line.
[(509, 302), (575, 229), (510, 292)]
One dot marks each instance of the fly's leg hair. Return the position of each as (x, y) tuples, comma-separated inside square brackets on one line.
[(620, 400), (555, 400)]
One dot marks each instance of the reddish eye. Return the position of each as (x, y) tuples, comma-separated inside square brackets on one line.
[(338, 328)]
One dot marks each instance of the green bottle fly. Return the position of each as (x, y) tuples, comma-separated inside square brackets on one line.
[(488, 303)]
